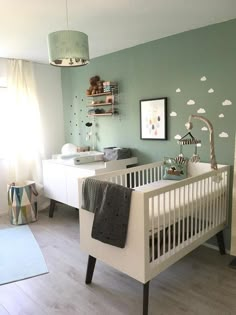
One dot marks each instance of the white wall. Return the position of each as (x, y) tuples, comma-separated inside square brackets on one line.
[(48, 84)]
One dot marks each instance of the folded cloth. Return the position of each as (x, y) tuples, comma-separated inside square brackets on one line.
[(92, 194), (111, 205)]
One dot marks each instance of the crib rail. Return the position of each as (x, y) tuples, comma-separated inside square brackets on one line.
[(182, 214), (135, 176)]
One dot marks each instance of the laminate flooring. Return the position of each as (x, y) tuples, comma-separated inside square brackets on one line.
[(199, 284)]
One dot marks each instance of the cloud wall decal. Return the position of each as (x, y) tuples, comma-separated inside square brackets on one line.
[(204, 129), (203, 78), (201, 111), (227, 103), (173, 114), (190, 102), (223, 135), (177, 137), (178, 90), (211, 90), (221, 115)]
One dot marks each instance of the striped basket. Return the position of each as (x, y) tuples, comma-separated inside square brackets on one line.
[(22, 202)]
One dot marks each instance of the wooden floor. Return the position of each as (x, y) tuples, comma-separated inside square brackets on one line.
[(201, 283)]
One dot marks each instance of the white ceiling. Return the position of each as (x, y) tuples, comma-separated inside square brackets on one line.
[(110, 25)]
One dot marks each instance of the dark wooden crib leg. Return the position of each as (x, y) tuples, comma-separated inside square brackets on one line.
[(233, 264), (90, 269), (52, 207), (221, 243), (145, 297)]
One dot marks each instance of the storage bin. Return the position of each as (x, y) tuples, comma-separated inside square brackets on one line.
[(22, 202), (114, 153)]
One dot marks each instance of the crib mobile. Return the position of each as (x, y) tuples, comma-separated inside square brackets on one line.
[(188, 141), (185, 140)]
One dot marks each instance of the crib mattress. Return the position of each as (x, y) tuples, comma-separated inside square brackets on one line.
[(188, 200)]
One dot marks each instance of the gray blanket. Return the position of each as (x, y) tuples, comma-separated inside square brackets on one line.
[(111, 204)]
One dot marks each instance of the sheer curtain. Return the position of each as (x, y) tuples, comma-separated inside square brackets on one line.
[(23, 146), (29, 99)]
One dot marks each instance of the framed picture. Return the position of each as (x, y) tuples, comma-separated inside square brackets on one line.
[(153, 119)]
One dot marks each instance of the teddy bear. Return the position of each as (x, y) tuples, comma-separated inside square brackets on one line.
[(96, 86)]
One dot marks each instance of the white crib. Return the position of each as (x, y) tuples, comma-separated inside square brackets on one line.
[(168, 219)]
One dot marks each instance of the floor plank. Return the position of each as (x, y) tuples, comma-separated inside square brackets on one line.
[(201, 283)]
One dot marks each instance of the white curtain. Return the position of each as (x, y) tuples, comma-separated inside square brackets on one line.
[(23, 142), (31, 98)]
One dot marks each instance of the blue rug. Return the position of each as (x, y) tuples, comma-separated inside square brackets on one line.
[(20, 255)]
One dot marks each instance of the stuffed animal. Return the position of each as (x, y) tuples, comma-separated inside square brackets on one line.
[(96, 86)]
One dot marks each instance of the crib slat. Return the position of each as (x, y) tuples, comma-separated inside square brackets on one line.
[(174, 222), (151, 175), (221, 198), (158, 228), (213, 203), (179, 221), (204, 206), (169, 223), (139, 178), (218, 201), (192, 203), (144, 177), (196, 211), (164, 223), (134, 179), (226, 178), (210, 204), (187, 219), (207, 205), (183, 218), (152, 229)]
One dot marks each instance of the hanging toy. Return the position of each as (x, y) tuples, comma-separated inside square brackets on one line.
[(90, 134), (187, 141), (195, 157)]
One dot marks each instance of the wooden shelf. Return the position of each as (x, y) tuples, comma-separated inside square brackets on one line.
[(103, 114), (100, 94), (99, 104)]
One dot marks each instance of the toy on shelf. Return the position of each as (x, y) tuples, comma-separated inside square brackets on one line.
[(96, 86)]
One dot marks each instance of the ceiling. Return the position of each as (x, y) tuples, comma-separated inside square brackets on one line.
[(110, 25)]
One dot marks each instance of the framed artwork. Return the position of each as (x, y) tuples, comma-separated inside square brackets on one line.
[(153, 119)]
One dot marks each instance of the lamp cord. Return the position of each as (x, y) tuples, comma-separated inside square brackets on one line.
[(67, 15)]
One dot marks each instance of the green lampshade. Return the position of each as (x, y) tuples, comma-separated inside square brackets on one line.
[(68, 48)]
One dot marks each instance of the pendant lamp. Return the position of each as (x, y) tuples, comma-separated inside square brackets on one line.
[(68, 48)]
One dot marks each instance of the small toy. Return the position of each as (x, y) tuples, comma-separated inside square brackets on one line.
[(96, 86)]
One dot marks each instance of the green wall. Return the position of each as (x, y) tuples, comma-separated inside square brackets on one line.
[(157, 69)]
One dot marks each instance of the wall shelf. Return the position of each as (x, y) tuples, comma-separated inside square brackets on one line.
[(100, 94), (99, 104), (103, 114), (98, 100)]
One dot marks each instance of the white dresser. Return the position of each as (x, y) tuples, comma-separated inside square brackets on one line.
[(61, 180)]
